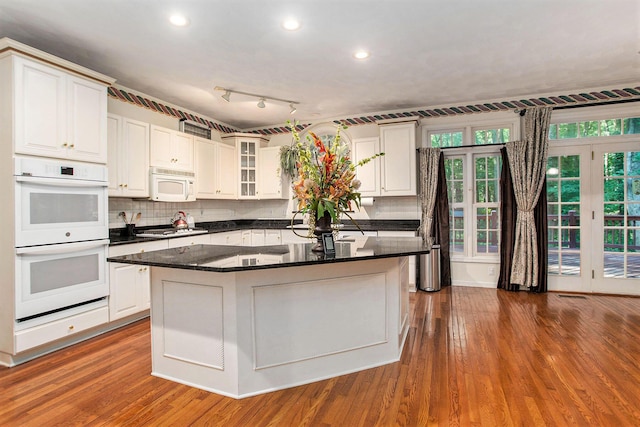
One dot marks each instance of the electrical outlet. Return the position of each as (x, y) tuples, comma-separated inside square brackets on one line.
[(492, 271)]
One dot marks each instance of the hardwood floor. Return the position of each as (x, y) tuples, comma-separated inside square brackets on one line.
[(473, 357)]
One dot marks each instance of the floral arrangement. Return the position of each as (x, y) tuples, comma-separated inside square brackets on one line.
[(326, 176)]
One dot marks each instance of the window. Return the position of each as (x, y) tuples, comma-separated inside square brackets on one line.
[(454, 167), (473, 178), (593, 128), (490, 136), (446, 139), (486, 203)]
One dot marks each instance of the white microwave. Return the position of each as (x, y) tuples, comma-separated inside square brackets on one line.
[(169, 185)]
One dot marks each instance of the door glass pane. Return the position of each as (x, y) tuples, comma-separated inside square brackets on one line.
[(621, 214), (563, 214)]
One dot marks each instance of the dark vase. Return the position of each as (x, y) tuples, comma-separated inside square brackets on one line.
[(323, 225)]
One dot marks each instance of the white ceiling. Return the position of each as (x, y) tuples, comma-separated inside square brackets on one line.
[(424, 53)]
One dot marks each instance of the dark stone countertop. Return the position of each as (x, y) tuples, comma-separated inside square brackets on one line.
[(118, 237), (219, 258)]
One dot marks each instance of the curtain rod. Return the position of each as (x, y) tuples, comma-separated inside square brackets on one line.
[(595, 104), (499, 144)]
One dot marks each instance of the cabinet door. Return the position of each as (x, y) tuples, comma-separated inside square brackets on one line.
[(125, 296), (206, 168), (272, 237), (134, 157), (160, 150), (398, 142), (183, 151), (226, 172), (198, 239), (248, 169), (86, 120), (114, 136), (270, 180), (233, 238), (40, 115), (369, 174), (246, 238)]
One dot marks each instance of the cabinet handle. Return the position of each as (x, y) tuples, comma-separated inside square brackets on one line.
[(126, 185), (141, 250), (121, 185), (71, 327), (65, 145), (72, 145)]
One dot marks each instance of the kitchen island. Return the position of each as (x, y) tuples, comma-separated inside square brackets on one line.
[(241, 321)]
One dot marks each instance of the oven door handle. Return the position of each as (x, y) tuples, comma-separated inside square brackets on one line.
[(61, 248), (55, 182)]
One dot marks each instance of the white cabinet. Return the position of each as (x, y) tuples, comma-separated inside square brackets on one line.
[(129, 285), (198, 239), (247, 149), (271, 184), (233, 238), (368, 174), (128, 161), (272, 237), (171, 149), (398, 165), (288, 236), (58, 114), (216, 170), (412, 258)]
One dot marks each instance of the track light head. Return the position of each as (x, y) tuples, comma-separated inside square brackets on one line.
[(293, 108), (261, 103), (227, 95)]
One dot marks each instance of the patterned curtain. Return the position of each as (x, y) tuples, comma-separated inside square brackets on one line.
[(429, 158), (527, 162), (508, 214)]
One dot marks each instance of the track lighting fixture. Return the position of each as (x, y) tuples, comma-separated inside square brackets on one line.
[(261, 99)]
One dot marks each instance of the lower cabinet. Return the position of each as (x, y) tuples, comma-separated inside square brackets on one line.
[(129, 285), (412, 259), (198, 239)]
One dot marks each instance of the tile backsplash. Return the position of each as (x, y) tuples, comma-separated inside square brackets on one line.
[(160, 214)]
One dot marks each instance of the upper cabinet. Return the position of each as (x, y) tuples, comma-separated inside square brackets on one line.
[(393, 174), (398, 165), (271, 184), (58, 114), (216, 170), (369, 174), (128, 161), (248, 148), (171, 149)]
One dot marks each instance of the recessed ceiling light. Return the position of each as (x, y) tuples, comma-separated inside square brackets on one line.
[(361, 54), (291, 24), (179, 20)]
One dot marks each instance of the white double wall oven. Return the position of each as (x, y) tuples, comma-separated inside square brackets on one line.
[(61, 235)]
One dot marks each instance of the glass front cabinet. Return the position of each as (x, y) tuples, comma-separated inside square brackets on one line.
[(248, 148)]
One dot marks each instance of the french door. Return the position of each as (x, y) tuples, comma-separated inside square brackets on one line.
[(593, 194), (616, 227)]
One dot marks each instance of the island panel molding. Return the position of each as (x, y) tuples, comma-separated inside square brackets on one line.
[(317, 312), (248, 303), (201, 307)]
